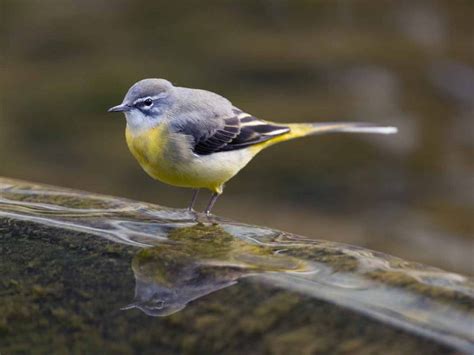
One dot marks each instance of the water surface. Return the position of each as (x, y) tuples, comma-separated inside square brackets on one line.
[(84, 272)]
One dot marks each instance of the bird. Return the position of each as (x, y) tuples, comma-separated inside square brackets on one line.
[(198, 139)]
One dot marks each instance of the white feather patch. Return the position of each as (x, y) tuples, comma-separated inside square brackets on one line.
[(377, 130), (276, 132)]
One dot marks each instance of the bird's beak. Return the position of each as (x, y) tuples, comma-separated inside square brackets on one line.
[(120, 108)]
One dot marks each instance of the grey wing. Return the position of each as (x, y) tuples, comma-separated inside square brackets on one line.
[(238, 131)]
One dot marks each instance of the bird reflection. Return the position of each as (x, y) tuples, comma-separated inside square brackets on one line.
[(164, 285), (197, 261)]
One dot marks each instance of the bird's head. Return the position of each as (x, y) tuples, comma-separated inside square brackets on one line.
[(145, 103)]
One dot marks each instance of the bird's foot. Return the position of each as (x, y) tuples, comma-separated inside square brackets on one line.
[(206, 218)]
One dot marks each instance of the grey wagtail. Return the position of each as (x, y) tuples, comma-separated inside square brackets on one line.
[(198, 139)]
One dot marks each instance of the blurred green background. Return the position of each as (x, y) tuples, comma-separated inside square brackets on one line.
[(403, 63)]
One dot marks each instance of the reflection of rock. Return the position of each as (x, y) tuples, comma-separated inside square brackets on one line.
[(204, 259)]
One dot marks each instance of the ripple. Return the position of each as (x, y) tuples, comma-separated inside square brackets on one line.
[(414, 297)]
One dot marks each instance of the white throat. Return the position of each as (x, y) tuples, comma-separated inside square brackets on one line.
[(138, 123)]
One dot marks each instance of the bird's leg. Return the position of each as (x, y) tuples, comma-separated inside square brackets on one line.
[(211, 203), (193, 200)]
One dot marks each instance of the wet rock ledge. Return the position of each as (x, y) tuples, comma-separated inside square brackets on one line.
[(85, 273)]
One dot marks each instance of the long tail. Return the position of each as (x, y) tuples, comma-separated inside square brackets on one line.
[(304, 129), (298, 130)]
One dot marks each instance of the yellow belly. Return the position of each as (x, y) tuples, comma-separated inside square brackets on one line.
[(169, 158)]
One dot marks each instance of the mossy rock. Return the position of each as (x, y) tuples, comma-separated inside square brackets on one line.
[(205, 287)]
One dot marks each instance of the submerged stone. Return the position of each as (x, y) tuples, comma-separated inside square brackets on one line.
[(89, 273)]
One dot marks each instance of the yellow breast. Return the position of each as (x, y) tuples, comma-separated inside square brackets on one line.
[(168, 157), (149, 148)]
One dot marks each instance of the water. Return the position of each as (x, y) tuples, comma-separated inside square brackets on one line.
[(105, 274)]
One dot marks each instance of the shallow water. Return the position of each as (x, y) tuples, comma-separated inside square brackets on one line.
[(85, 272)]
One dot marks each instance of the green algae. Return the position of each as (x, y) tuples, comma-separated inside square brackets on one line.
[(21, 191), (66, 286), (79, 311), (213, 242), (399, 279), (338, 260), (65, 201)]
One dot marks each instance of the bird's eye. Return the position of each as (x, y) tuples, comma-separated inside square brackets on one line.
[(148, 102)]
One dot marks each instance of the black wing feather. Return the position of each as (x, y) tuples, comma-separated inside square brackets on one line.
[(235, 134), (217, 139)]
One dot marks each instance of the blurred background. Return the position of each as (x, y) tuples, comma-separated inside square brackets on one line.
[(406, 63)]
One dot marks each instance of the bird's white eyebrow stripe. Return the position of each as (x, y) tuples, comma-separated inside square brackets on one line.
[(142, 99)]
